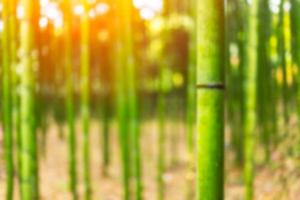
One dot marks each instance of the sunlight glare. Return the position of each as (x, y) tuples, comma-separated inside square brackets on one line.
[(287, 6), (148, 9), (78, 10), (147, 13), (20, 12), (155, 5), (44, 3), (274, 6), (52, 11), (92, 1), (58, 22), (102, 8), (92, 14), (43, 22), (1, 26)]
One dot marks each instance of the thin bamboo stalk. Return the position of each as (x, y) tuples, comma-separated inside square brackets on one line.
[(85, 99), (250, 98), (295, 14), (7, 97), (69, 100), (28, 131)]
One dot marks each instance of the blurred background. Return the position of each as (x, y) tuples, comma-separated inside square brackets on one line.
[(98, 99)]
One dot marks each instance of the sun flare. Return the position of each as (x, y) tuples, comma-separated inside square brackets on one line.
[(148, 9)]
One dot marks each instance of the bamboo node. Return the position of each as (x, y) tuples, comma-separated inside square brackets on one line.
[(218, 86)]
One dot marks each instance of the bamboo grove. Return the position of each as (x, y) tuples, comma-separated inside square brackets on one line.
[(160, 99)]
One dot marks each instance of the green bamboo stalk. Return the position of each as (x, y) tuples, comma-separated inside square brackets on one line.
[(290, 82), (28, 175), (106, 135), (292, 51), (264, 75), (69, 92), (15, 79), (295, 16), (174, 107), (161, 109), (35, 108), (283, 61), (85, 100), (122, 109), (235, 101), (131, 91), (241, 71), (7, 97), (274, 83), (191, 103), (123, 137), (191, 93), (240, 96), (250, 98), (133, 117), (295, 25), (210, 99), (161, 112)]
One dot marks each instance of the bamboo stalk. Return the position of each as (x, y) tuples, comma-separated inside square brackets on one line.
[(85, 99), (122, 110), (15, 80), (69, 101), (28, 131), (191, 92), (106, 135), (250, 98), (210, 99), (264, 75), (161, 142), (133, 115), (161, 114), (131, 143), (283, 61), (7, 97), (295, 14)]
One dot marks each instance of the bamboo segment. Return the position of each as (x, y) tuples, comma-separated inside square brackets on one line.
[(161, 142), (191, 103), (122, 110), (133, 115), (69, 101), (210, 99), (128, 105), (28, 129), (250, 98), (295, 15), (106, 157), (85, 99), (264, 76), (7, 97), (282, 44), (15, 79)]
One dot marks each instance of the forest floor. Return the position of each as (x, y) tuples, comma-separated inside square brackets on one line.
[(277, 180)]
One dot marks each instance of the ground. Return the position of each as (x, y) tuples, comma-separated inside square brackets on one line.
[(277, 180)]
